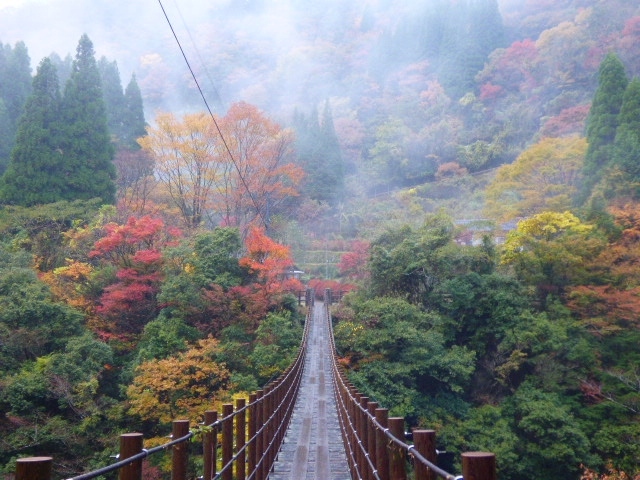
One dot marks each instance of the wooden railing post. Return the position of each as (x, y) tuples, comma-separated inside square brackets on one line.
[(130, 445), (364, 437), (479, 466), (397, 467), (260, 436), (266, 433), (34, 468), (251, 453), (371, 433), (241, 432), (180, 452), (382, 453), (227, 440), (210, 445), (425, 443)]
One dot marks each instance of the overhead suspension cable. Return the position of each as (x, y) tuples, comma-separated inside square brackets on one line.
[(204, 99), (217, 100)]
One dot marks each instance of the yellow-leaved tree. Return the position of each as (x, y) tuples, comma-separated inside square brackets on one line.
[(185, 385), (543, 178), (551, 251)]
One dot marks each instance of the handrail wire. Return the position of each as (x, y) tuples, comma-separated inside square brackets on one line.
[(127, 461), (295, 370), (339, 377)]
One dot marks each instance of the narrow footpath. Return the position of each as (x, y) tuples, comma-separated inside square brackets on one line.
[(313, 448)]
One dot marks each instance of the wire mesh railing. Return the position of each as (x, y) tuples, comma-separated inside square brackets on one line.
[(244, 441), (375, 443)]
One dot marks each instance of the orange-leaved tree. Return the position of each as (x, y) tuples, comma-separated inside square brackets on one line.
[(269, 262), (257, 170)]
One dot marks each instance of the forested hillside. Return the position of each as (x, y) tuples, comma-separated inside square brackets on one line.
[(468, 170)]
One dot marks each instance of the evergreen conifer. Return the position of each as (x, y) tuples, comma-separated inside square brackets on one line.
[(87, 149), (134, 124), (35, 172), (113, 96), (602, 121)]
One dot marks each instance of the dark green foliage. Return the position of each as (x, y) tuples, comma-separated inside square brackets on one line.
[(603, 120), (402, 357), (276, 345), (480, 309), (216, 255), (413, 262), (165, 337), (63, 149), (32, 324), (125, 111), (86, 145)]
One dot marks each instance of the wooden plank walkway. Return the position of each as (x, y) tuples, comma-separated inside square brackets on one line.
[(313, 448)]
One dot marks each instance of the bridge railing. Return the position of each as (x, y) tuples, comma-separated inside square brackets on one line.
[(376, 444), (246, 439)]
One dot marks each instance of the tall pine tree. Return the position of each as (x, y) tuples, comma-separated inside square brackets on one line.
[(113, 96), (602, 121), (86, 145), (34, 175)]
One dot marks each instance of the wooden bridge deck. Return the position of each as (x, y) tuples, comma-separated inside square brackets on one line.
[(313, 448)]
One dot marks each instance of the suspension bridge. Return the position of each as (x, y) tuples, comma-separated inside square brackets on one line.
[(308, 424)]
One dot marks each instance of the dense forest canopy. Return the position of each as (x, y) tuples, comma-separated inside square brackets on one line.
[(468, 169)]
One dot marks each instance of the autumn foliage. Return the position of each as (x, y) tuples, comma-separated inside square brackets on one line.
[(135, 249), (182, 386), (269, 262)]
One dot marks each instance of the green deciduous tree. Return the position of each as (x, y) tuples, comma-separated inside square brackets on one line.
[(398, 357), (32, 323)]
